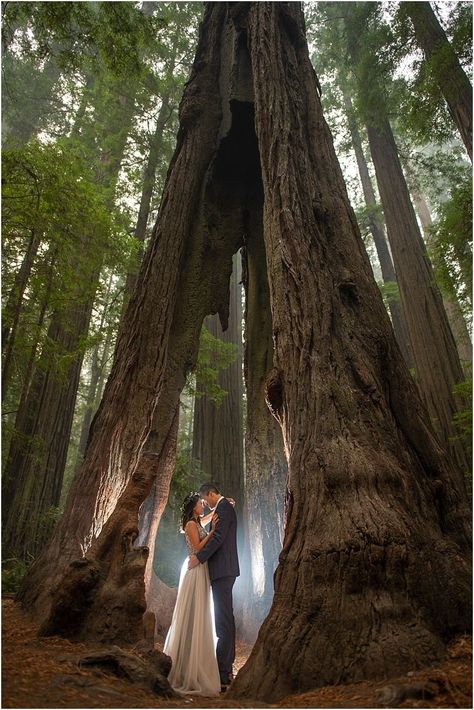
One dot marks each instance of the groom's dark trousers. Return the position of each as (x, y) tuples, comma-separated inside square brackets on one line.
[(225, 625), (223, 563)]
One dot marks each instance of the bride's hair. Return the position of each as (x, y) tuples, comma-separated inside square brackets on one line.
[(187, 508)]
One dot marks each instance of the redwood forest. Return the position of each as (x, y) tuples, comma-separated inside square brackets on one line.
[(236, 354)]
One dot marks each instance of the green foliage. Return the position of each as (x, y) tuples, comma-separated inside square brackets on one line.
[(50, 190), (451, 247), (389, 291), (459, 31), (462, 420), (214, 355), (13, 571), (423, 111)]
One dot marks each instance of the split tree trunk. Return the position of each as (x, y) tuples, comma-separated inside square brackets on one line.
[(375, 531), (378, 234), (438, 368), (445, 66), (190, 254)]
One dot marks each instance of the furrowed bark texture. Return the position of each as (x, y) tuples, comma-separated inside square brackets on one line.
[(375, 534), (373, 577), (378, 233), (184, 276), (266, 466)]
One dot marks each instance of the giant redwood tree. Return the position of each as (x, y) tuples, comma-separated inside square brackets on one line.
[(376, 531)]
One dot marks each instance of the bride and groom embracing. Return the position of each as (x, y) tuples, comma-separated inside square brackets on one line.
[(198, 667)]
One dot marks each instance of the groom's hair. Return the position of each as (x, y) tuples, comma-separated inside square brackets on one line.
[(207, 488)]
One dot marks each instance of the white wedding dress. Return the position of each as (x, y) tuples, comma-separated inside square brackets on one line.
[(191, 639)]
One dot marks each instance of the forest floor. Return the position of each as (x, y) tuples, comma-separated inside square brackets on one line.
[(39, 673)]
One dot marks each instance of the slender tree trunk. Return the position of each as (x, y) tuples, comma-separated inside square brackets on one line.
[(12, 312), (375, 530), (438, 367), (447, 70), (378, 234), (218, 436), (97, 364), (451, 304), (149, 177), (38, 450), (30, 366)]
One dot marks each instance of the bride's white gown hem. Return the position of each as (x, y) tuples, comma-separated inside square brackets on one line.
[(191, 640)]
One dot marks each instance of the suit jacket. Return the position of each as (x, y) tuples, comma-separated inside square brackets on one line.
[(221, 550)]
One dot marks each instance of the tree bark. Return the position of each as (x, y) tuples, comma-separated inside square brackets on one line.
[(375, 532), (438, 367), (97, 366), (217, 434), (447, 70), (451, 304), (190, 253), (11, 318), (38, 450), (147, 193), (378, 233), (266, 466), (360, 590)]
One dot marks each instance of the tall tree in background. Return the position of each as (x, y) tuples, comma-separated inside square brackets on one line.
[(438, 368), (373, 520), (38, 450), (34, 478), (445, 66), (325, 30), (218, 434), (378, 234), (450, 302)]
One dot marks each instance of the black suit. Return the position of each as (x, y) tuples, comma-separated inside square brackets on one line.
[(223, 563)]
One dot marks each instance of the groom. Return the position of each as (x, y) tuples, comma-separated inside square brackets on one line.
[(223, 564)]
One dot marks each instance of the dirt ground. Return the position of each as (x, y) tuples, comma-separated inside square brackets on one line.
[(38, 673)]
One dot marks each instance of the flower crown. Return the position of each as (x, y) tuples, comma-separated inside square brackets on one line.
[(189, 498)]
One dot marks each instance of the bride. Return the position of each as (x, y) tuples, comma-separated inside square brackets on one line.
[(190, 641)]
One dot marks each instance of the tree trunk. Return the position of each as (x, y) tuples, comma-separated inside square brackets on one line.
[(97, 365), (438, 367), (190, 253), (147, 193), (12, 313), (370, 546), (375, 534), (266, 466), (38, 450), (378, 233), (451, 304), (160, 598), (447, 70), (217, 435)]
